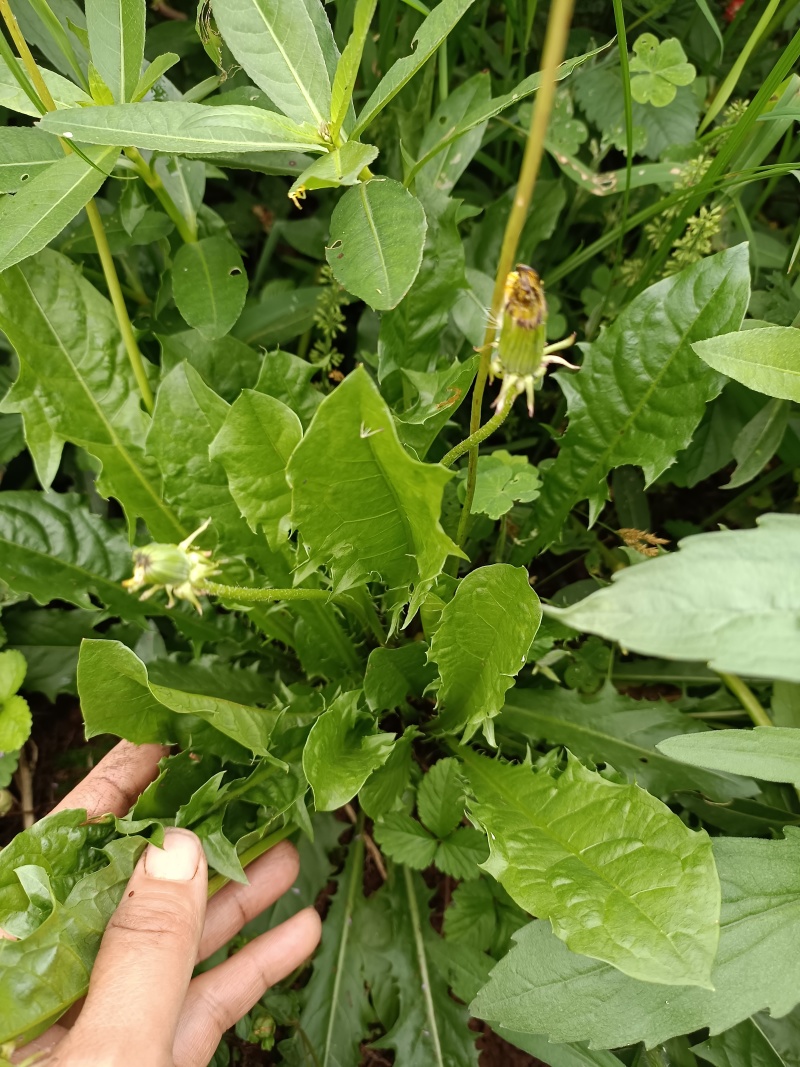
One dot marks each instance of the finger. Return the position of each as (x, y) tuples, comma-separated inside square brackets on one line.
[(117, 780), (221, 996), (40, 1045), (146, 958), (270, 876)]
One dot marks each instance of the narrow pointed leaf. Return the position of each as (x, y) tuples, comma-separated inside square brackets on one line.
[(738, 608), (377, 236), (427, 39), (277, 44), (386, 504), (185, 129), (46, 203), (767, 360), (771, 753), (341, 166), (73, 362), (347, 69), (480, 645), (640, 392), (116, 41), (24, 153), (254, 445), (620, 877)]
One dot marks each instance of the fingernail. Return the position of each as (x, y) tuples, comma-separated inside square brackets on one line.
[(177, 861)]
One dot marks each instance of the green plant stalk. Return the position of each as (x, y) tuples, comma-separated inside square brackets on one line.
[(120, 308), (186, 229), (93, 215), (10, 60), (422, 960), (474, 439), (747, 698), (619, 20), (248, 595), (555, 44), (729, 84), (219, 881)]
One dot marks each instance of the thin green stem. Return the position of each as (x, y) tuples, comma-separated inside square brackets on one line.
[(619, 19), (248, 595), (185, 228), (747, 698), (554, 48), (355, 879), (26, 56), (219, 881), (474, 439), (118, 301)]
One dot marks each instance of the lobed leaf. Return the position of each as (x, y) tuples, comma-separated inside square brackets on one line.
[(541, 987), (385, 505), (480, 646), (726, 598), (620, 877)]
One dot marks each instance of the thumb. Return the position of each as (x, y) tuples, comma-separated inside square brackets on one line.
[(145, 962)]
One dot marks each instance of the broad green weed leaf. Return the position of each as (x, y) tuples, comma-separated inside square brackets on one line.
[(758, 441), (227, 364), (12, 675), (344, 80), (15, 723), (288, 378), (440, 797), (384, 788), (653, 393), (480, 645), (145, 712), (386, 503), (424, 1025), (254, 445), (766, 360), (45, 204), (771, 753), (657, 69), (405, 840), (395, 673), (183, 128), (49, 639), (116, 41), (342, 750), (541, 987), (563, 1055), (620, 877), (446, 166), (65, 93), (377, 236), (68, 940), (209, 284), (341, 166), (611, 728), (24, 153), (75, 372), (427, 39), (278, 44), (737, 608)]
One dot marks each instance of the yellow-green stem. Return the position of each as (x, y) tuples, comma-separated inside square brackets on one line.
[(747, 698), (120, 308), (474, 439), (554, 48), (219, 881), (248, 595), (26, 56), (187, 231)]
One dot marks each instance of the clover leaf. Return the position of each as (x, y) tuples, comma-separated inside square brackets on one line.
[(659, 69)]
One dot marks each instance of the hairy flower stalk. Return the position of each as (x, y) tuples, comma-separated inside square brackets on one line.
[(521, 356), (179, 569)]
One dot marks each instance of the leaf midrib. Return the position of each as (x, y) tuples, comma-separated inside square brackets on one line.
[(311, 105)]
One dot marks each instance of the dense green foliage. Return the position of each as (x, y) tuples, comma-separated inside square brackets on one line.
[(254, 263)]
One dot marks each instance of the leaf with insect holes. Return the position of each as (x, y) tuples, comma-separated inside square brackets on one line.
[(386, 505), (209, 284), (657, 69), (377, 236), (24, 153)]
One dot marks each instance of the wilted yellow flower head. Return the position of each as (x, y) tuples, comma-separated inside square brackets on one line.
[(178, 569)]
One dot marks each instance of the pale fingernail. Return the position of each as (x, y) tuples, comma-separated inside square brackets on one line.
[(177, 861)]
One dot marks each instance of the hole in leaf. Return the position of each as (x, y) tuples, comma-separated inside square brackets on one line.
[(336, 244), (643, 759), (234, 272), (24, 177)]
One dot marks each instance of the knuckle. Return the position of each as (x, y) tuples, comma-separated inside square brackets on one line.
[(157, 920)]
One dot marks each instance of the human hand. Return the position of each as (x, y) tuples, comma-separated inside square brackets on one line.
[(143, 1008)]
